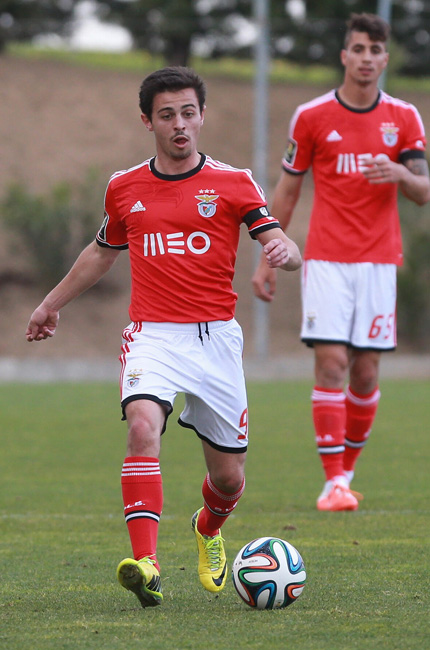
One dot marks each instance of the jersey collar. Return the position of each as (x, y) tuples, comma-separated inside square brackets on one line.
[(358, 110), (177, 177)]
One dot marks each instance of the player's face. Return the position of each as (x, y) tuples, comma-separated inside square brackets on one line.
[(176, 122), (363, 59)]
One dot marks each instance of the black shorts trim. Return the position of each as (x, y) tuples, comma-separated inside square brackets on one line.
[(152, 398), (226, 450), (310, 343)]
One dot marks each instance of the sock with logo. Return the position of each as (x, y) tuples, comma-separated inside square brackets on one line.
[(328, 412), (142, 492), (360, 414), (217, 507)]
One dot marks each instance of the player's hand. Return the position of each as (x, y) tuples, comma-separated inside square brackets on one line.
[(381, 170), (264, 281), (276, 252), (42, 325)]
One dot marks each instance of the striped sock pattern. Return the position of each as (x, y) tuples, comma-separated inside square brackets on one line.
[(328, 412), (218, 505), (360, 414), (142, 492)]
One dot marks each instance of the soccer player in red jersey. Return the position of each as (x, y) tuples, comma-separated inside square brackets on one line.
[(178, 214), (362, 146)]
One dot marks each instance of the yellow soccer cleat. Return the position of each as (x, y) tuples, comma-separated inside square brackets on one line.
[(142, 578), (212, 560)]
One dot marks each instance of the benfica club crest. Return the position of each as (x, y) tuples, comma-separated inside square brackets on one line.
[(389, 133), (207, 206), (133, 378)]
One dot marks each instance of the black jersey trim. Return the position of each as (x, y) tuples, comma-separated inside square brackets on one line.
[(104, 244), (266, 226), (177, 177), (358, 110), (294, 172), (411, 154), (257, 214)]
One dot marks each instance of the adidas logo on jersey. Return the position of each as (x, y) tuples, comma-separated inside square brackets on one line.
[(333, 137), (138, 207)]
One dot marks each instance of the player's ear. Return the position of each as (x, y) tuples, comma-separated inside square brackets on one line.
[(147, 122), (202, 115), (343, 57)]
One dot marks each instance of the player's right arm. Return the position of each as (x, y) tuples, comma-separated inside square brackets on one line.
[(286, 195), (91, 265)]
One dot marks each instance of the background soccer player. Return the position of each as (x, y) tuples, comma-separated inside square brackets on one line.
[(179, 215), (362, 146)]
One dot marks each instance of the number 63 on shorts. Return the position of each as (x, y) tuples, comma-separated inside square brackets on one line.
[(382, 327), (354, 304)]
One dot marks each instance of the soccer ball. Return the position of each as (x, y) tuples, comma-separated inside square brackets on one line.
[(268, 573)]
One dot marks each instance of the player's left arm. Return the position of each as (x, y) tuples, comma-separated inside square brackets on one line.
[(281, 252), (412, 175), (415, 184)]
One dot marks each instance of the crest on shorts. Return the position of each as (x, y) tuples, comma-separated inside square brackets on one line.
[(389, 133), (207, 206), (133, 378), (311, 318)]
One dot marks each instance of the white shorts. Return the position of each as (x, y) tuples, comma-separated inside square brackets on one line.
[(202, 360), (354, 304)]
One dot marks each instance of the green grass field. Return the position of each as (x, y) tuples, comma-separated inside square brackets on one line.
[(62, 529)]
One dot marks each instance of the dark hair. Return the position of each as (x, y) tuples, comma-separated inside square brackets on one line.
[(170, 79), (375, 26)]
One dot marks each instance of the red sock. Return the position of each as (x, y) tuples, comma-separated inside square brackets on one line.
[(360, 413), (328, 411), (142, 492), (217, 507)]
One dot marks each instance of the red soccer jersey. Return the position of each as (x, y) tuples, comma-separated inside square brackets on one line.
[(182, 233), (352, 220)]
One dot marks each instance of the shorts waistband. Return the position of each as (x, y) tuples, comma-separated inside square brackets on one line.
[(184, 328)]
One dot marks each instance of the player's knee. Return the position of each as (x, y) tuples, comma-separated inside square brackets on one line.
[(331, 365), (331, 372), (364, 382), (228, 482), (364, 373), (143, 438)]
